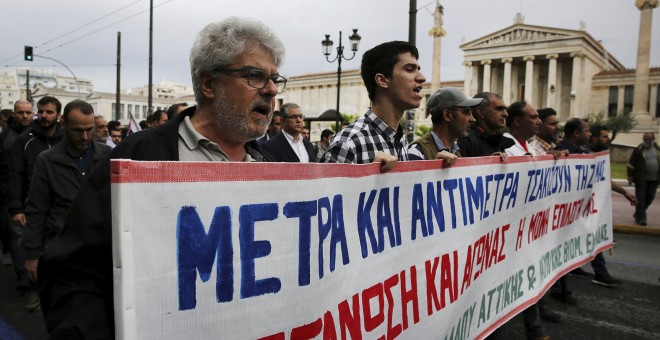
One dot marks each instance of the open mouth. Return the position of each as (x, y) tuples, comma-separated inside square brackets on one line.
[(417, 89), (262, 109)]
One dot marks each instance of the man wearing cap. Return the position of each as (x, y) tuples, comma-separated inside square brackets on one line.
[(451, 116)]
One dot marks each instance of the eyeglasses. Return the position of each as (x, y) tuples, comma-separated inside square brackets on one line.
[(256, 77), (295, 117), (80, 131)]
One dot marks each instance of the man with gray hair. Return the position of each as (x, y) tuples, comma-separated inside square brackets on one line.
[(290, 145), (234, 65), (450, 114)]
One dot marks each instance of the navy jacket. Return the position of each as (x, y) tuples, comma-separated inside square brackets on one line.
[(281, 150)]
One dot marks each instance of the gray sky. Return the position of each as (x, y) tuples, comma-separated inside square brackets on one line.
[(301, 24)]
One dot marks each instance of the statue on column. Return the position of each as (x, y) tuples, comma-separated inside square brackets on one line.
[(437, 30)]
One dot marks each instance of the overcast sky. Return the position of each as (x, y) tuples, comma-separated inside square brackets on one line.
[(54, 28)]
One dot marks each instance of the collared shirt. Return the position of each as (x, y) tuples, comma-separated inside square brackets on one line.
[(360, 141), (298, 147), (415, 151), (84, 161), (517, 149), (195, 147), (537, 146)]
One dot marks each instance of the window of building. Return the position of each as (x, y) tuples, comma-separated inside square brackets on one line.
[(613, 101), (657, 100), (114, 109), (628, 99), (130, 108)]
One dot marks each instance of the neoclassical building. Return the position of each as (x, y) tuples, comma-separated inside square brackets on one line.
[(568, 70), (547, 67)]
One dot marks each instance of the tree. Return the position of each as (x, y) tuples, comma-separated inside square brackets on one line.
[(619, 123), (422, 130)]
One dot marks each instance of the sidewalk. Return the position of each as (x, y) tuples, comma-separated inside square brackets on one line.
[(622, 214)]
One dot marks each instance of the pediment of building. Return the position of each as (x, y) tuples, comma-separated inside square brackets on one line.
[(521, 33)]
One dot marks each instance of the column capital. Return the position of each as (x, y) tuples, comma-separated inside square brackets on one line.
[(528, 58), (552, 56), (467, 63), (486, 62), (644, 4), (577, 54), (507, 60)]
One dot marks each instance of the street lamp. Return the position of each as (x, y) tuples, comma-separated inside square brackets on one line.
[(327, 49)]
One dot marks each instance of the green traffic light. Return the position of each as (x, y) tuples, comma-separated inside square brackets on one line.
[(28, 53)]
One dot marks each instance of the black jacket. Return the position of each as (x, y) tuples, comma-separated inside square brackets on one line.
[(7, 138), (75, 271), (478, 143), (55, 183), (281, 150), (27, 146), (637, 164)]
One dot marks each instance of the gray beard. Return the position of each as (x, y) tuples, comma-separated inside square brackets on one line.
[(228, 116)]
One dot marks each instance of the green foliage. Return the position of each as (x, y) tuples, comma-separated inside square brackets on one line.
[(616, 124), (618, 170), (422, 130), (346, 118)]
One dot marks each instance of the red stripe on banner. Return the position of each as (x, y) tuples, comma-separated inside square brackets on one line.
[(128, 171)]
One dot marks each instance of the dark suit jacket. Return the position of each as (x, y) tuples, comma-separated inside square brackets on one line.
[(280, 149)]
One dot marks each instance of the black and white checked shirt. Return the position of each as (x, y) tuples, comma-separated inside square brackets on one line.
[(359, 142)]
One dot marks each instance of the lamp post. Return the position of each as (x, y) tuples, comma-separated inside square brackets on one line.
[(327, 46)]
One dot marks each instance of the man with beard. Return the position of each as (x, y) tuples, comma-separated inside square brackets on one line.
[(290, 145), (644, 172), (57, 176), (451, 117), (234, 65), (100, 129), (44, 134), (391, 74), (545, 139)]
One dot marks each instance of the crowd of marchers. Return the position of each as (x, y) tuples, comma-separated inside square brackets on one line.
[(55, 173)]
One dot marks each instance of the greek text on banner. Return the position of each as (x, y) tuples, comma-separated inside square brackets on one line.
[(329, 251)]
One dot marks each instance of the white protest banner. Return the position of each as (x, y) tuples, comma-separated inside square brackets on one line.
[(328, 251)]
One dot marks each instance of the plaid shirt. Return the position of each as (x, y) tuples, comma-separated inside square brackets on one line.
[(359, 142), (539, 147)]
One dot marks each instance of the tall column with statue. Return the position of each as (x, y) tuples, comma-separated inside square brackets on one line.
[(641, 92), (437, 32)]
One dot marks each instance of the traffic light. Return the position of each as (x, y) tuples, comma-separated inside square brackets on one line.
[(28, 53)]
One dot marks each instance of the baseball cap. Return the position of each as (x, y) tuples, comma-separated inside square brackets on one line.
[(447, 97)]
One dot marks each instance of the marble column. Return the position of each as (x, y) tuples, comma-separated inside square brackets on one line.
[(506, 87), (552, 80), (641, 92), (486, 84), (653, 100), (467, 83), (529, 77), (575, 81)]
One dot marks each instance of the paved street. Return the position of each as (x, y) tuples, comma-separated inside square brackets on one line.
[(630, 311)]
